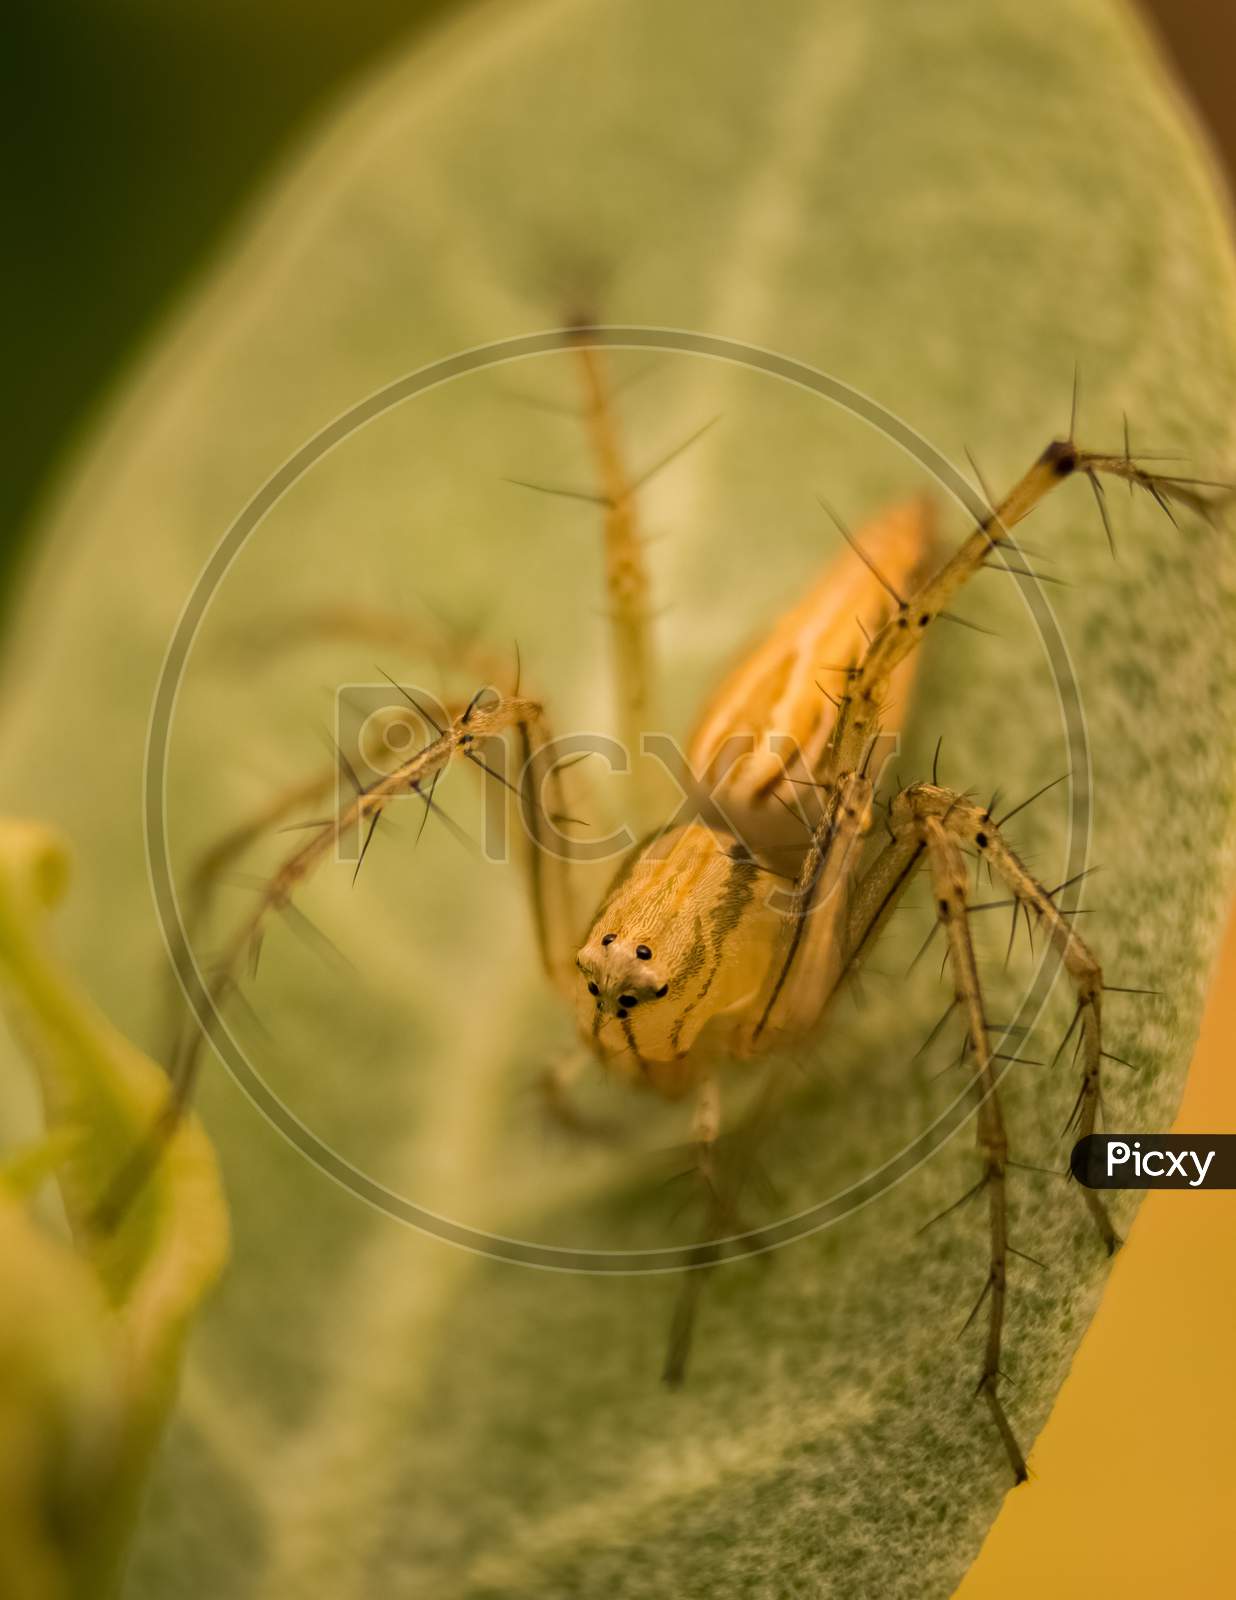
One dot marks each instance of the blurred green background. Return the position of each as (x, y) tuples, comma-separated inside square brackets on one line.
[(136, 130)]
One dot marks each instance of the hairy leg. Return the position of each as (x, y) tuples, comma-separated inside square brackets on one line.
[(868, 682), (461, 740), (627, 585), (706, 1130), (929, 822), (949, 882), (968, 823)]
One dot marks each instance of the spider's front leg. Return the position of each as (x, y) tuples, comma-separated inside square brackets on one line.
[(812, 955), (948, 882), (722, 1217), (462, 740), (627, 584), (928, 820), (869, 681), (546, 847), (965, 822), (616, 489)]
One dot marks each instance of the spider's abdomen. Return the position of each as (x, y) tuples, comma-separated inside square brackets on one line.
[(761, 737)]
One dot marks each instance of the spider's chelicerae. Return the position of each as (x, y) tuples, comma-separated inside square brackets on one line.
[(729, 934)]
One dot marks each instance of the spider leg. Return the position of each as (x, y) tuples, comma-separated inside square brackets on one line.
[(811, 956), (967, 822), (548, 853), (215, 863), (628, 590), (932, 822), (627, 584), (721, 1218), (419, 774), (949, 882), (859, 717)]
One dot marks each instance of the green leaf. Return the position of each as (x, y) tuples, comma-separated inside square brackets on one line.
[(90, 1362), (945, 207)]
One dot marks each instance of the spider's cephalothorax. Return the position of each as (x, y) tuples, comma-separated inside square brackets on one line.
[(678, 952), (729, 932)]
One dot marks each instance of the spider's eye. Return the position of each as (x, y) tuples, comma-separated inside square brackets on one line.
[(592, 989), (609, 938), (663, 991), (643, 953), (627, 1000)]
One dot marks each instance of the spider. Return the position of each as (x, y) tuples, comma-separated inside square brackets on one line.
[(731, 928)]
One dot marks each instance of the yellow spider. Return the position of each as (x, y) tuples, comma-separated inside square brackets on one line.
[(729, 930)]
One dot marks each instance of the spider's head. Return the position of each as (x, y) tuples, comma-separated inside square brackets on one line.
[(619, 974)]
